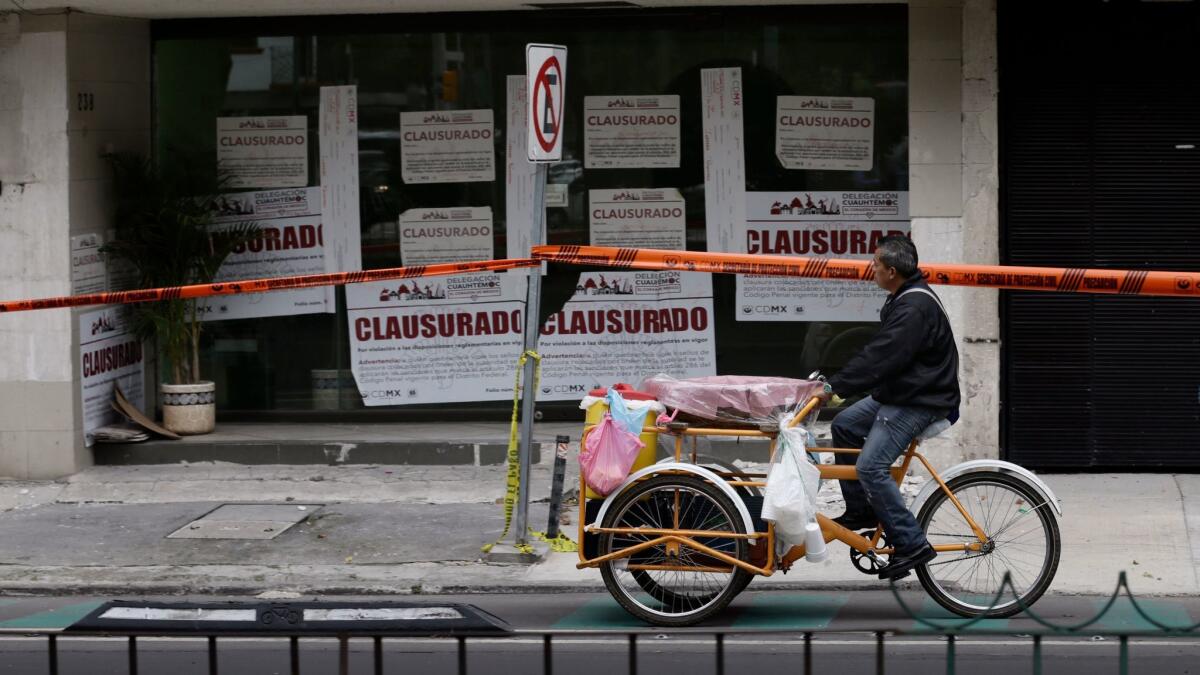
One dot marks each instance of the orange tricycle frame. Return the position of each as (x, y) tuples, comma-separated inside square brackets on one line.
[(674, 538)]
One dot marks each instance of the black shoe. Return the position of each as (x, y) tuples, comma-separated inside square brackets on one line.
[(857, 521), (902, 563)]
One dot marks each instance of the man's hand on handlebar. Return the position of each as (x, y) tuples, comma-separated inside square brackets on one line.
[(826, 394)]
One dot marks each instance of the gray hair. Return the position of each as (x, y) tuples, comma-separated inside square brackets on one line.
[(898, 251)]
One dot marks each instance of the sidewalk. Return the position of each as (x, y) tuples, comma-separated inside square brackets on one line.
[(376, 528)]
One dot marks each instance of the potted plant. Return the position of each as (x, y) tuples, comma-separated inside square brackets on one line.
[(165, 235)]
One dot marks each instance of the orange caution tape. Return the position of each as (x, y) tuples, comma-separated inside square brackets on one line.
[(265, 285), (1071, 280)]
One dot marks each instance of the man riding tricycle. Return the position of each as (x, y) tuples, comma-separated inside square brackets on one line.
[(677, 540)]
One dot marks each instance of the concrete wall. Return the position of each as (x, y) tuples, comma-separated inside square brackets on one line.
[(52, 186), (37, 425), (955, 185)]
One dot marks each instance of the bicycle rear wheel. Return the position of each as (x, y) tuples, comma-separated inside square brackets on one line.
[(1023, 541), (684, 585)]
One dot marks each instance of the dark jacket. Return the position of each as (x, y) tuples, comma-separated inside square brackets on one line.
[(912, 360)]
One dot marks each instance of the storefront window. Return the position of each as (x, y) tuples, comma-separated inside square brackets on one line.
[(234, 68)]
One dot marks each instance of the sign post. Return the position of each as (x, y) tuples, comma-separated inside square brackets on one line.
[(546, 73)]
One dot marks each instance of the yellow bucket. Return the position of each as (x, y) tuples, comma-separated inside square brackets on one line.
[(649, 436)]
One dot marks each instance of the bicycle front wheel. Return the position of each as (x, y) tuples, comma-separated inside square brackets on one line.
[(1023, 541)]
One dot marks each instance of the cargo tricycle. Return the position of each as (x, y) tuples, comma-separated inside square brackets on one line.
[(680, 538)]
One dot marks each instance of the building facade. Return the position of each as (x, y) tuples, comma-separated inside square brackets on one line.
[(152, 78)]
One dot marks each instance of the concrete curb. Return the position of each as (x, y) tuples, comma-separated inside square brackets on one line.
[(230, 580), (433, 453), (416, 452)]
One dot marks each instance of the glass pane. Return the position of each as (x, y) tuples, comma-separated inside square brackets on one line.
[(289, 363)]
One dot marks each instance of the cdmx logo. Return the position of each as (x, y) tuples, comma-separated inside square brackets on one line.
[(388, 393), (671, 261), (768, 309), (565, 389)]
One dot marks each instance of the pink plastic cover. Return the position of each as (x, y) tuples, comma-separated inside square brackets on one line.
[(740, 399)]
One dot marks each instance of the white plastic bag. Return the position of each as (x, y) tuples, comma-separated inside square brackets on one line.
[(790, 500)]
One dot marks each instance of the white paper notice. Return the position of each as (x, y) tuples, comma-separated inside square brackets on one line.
[(108, 354), (519, 175), (825, 132), (629, 132), (122, 275), (823, 225), (292, 243), (429, 236), (436, 340), (637, 218), (724, 158), (447, 146), (263, 152), (89, 274), (626, 326), (558, 195), (339, 178), (458, 338)]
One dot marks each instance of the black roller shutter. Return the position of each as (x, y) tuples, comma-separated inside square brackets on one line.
[(1098, 103)]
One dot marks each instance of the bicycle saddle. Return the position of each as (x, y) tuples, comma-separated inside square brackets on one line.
[(933, 429)]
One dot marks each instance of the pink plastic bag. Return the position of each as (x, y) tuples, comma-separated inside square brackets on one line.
[(607, 455)]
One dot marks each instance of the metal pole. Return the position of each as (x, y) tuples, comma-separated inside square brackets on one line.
[(720, 654), (529, 392), (1037, 655), (951, 657), (808, 654), (1124, 665), (133, 664), (343, 655), (633, 654), (561, 443)]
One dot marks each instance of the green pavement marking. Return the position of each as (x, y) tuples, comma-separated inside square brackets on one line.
[(8, 602), (1122, 616), (57, 618), (790, 611), (600, 614), (932, 611)]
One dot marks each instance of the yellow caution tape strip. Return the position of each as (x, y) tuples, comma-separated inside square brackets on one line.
[(561, 542)]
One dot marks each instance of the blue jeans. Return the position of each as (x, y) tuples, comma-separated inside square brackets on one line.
[(883, 432)]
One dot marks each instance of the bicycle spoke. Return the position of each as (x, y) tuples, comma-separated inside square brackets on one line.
[(1018, 544)]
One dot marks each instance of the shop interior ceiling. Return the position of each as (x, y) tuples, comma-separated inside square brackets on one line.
[(180, 9)]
